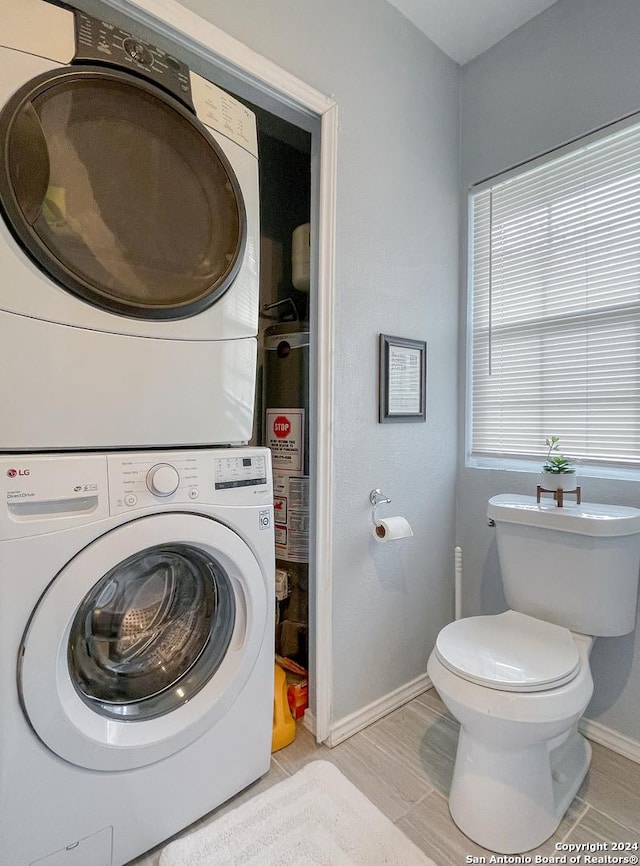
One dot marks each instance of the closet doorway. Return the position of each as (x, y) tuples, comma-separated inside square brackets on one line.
[(254, 79)]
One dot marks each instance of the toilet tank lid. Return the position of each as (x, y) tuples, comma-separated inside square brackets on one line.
[(589, 518)]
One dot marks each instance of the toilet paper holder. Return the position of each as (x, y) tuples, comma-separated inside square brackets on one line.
[(376, 498)]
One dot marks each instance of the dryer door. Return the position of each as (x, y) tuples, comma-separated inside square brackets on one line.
[(143, 641), (118, 192)]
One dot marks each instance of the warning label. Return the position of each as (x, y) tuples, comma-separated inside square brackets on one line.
[(285, 438), (280, 509), (291, 516)]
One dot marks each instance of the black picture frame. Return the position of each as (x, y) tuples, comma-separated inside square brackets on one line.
[(403, 380)]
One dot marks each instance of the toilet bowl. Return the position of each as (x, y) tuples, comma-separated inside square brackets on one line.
[(520, 759), (519, 681)]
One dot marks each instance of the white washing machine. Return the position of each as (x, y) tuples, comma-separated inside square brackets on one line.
[(136, 606), (129, 241)]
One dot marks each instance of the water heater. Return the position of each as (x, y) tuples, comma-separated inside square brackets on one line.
[(286, 433), (301, 257)]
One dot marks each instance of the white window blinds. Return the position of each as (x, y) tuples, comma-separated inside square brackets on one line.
[(555, 279)]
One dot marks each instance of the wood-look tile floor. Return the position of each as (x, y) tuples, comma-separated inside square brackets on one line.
[(404, 763)]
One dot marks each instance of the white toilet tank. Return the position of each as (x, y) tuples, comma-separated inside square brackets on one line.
[(575, 566)]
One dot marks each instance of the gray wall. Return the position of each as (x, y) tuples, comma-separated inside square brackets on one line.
[(572, 69), (396, 273)]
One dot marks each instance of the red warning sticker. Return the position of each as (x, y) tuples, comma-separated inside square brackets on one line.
[(285, 438)]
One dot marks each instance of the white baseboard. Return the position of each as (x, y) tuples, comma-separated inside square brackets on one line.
[(355, 722), (619, 743), (309, 721), (351, 724)]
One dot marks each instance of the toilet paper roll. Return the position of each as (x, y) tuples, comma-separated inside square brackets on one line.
[(391, 529)]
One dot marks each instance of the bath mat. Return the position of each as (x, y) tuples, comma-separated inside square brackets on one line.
[(315, 818)]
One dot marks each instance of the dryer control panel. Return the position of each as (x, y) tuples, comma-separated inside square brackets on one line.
[(101, 42)]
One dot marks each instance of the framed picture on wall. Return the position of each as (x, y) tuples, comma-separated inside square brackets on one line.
[(403, 379)]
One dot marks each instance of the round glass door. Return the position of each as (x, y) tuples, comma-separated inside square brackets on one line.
[(151, 633), (144, 640), (118, 192)]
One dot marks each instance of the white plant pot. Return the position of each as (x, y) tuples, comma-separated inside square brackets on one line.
[(566, 481)]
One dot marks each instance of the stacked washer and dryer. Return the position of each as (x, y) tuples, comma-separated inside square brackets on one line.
[(136, 552)]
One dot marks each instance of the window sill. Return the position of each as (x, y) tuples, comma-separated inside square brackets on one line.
[(609, 472)]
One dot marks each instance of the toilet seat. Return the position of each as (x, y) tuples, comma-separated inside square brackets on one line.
[(509, 651)]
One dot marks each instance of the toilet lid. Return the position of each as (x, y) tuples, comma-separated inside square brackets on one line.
[(509, 651)]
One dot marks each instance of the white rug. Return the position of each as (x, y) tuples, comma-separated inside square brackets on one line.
[(315, 818)]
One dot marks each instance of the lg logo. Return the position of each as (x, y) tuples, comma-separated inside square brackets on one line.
[(12, 473)]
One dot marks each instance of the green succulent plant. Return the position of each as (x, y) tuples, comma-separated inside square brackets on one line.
[(556, 463)]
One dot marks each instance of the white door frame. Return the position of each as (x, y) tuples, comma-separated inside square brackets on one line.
[(206, 40)]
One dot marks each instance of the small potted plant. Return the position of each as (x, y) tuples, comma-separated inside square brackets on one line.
[(557, 473)]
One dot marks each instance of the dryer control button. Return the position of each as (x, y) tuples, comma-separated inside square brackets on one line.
[(130, 499), (163, 479), (138, 51)]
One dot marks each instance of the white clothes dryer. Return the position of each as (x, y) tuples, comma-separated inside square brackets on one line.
[(129, 241), (136, 604)]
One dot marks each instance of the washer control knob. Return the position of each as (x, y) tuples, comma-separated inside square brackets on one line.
[(163, 479)]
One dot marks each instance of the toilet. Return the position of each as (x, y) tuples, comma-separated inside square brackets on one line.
[(519, 681)]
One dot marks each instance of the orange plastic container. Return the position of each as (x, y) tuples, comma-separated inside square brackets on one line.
[(298, 696), (284, 727)]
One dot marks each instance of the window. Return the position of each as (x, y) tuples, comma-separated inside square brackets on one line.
[(555, 293)]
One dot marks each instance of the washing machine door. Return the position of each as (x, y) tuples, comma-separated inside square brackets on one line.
[(143, 641), (118, 192)]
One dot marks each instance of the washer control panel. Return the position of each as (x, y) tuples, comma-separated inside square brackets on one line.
[(141, 480), (225, 476), (243, 471), (39, 493)]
